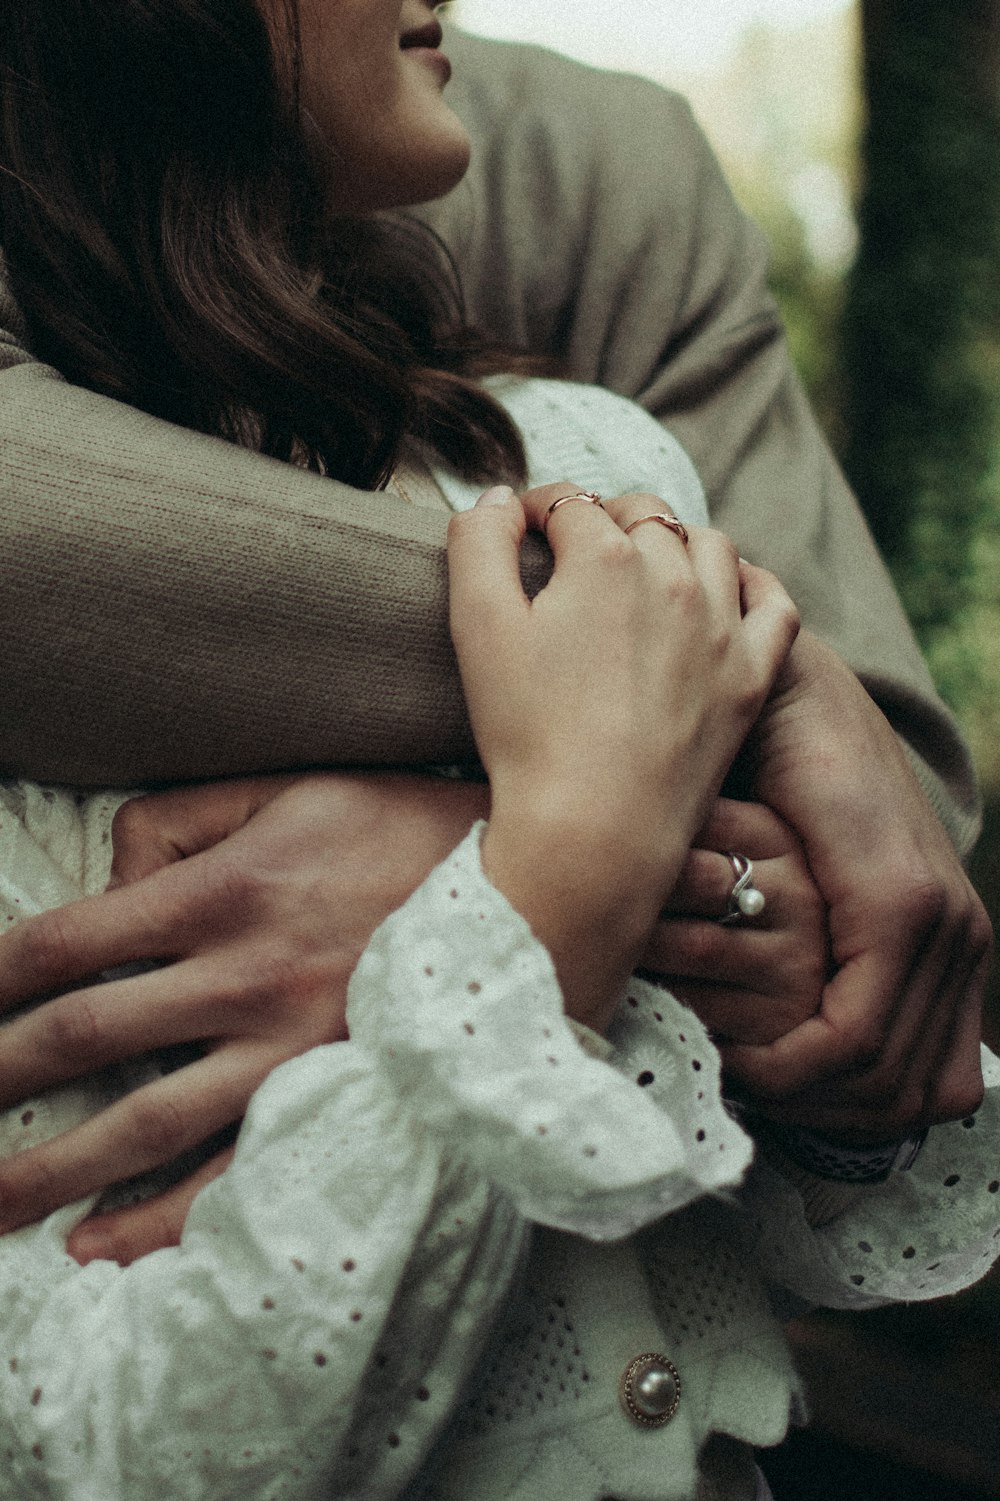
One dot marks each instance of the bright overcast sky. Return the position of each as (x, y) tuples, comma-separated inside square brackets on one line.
[(681, 35)]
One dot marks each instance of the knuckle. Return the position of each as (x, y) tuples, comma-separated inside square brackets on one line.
[(923, 897), (810, 900), (233, 886), (788, 617), (280, 979), (612, 549), (45, 946), (156, 1128), (886, 1107), (864, 1050), (703, 942), (727, 546), (883, 1077), (952, 1102), (131, 820), (722, 641), (907, 1112), (980, 934), (75, 1031), (29, 1186), (749, 692), (957, 1089)]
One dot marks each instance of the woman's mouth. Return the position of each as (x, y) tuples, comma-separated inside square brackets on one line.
[(424, 46)]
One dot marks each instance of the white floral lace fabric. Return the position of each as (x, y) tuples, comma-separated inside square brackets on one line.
[(336, 1287)]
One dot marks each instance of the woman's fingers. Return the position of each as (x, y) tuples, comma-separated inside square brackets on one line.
[(773, 982), (543, 513), (150, 1127), (123, 1235), (703, 887), (755, 980)]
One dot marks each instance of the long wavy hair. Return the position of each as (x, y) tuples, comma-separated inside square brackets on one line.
[(167, 239)]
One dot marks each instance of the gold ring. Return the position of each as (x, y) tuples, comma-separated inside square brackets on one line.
[(590, 496), (670, 522)]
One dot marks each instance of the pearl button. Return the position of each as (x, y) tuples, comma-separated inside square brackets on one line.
[(650, 1389)]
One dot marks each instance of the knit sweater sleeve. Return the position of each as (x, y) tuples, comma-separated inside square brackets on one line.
[(176, 607)]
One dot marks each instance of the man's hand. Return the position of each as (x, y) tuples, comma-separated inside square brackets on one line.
[(257, 938), (895, 1044)]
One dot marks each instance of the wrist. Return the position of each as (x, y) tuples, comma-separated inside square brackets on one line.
[(585, 892)]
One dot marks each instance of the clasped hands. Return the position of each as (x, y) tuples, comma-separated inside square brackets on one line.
[(853, 1006)]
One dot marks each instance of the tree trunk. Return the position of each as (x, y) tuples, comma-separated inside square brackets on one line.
[(922, 323)]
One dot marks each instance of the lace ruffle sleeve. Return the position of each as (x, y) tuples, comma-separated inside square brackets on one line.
[(924, 1233), (463, 1010), (335, 1285)]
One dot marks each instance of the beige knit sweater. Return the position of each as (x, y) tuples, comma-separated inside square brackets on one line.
[(174, 607)]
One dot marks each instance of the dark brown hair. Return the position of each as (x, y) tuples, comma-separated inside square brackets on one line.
[(167, 240)]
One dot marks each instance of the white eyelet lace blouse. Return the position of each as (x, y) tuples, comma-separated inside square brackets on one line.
[(360, 1307)]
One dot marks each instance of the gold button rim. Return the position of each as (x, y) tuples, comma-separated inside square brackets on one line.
[(627, 1389)]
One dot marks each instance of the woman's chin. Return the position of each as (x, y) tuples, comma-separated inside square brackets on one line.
[(417, 174)]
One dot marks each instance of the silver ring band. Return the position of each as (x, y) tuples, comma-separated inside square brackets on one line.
[(745, 901)]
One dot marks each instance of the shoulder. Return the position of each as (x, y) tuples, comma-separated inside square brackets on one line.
[(513, 92)]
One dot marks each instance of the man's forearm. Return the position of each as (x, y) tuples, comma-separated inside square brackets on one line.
[(175, 607)]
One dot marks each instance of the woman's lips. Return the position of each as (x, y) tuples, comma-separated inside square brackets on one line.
[(433, 58)]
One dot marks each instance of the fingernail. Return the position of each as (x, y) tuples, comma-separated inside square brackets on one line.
[(499, 495)]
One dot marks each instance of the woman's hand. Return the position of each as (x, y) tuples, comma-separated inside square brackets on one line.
[(606, 712), (257, 936), (753, 981)]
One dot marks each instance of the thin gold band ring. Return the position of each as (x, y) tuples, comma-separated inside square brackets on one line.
[(589, 496), (670, 522)]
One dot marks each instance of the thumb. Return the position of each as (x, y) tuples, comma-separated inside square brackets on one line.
[(484, 579), (154, 831)]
